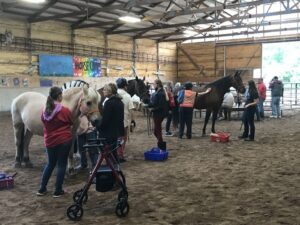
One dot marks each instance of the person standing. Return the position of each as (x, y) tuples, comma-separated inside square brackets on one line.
[(111, 126), (250, 108), (276, 87), (262, 90), (57, 121), (186, 100), (169, 92), (159, 107), (128, 114)]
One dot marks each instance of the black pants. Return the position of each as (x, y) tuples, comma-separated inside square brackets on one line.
[(185, 118), (248, 120), (169, 120)]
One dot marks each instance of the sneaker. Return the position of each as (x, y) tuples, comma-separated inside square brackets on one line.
[(58, 194), (273, 116), (41, 192), (168, 134)]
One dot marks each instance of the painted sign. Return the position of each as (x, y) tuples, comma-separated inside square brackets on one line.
[(56, 65), (86, 67)]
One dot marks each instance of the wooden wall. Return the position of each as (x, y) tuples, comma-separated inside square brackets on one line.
[(24, 64), (205, 62)]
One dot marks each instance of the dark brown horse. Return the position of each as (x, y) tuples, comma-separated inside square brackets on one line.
[(213, 100)]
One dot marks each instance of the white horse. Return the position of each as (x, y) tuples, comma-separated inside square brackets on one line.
[(26, 112)]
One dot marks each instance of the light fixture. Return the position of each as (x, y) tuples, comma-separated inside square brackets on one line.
[(190, 32), (34, 1), (130, 19)]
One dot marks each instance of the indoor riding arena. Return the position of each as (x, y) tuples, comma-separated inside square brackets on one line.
[(221, 175)]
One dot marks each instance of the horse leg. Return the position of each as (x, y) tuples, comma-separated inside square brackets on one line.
[(19, 142), (71, 169), (214, 118), (27, 138), (207, 115)]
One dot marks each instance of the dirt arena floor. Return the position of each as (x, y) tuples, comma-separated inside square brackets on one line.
[(202, 182)]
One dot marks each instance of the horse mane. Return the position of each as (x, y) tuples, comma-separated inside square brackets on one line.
[(74, 83), (220, 82)]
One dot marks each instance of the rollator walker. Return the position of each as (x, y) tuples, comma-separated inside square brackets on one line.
[(107, 177)]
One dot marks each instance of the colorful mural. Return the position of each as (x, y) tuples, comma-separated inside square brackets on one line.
[(86, 67)]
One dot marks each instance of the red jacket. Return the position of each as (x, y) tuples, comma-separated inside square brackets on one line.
[(262, 90), (58, 129)]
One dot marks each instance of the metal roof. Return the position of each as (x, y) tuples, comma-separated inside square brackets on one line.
[(165, 20)]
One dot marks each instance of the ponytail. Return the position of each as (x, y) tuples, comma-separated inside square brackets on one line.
[(49, 105), (53, 96)]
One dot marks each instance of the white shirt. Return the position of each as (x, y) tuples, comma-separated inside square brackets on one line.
[(128, 105), (228, 100)]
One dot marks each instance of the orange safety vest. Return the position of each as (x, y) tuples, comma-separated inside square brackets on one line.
[(189, 99)]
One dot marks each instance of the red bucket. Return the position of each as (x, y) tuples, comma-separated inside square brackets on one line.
[(220, 137)]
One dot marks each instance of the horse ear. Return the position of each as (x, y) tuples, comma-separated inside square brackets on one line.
[(144, 78), (85, 89), (136, 78)]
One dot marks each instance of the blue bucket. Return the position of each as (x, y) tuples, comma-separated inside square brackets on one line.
[(155, 154)]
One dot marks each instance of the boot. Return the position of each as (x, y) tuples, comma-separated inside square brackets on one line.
[(162, 145)]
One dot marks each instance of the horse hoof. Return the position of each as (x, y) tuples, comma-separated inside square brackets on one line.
[(18, 165), (28, 165), (204, 135)]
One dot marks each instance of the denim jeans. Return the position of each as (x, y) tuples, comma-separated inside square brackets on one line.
[(185, 118), (275, 106), (92, 152), (248, 120), (56, 155), (261, 107), (169, 120)]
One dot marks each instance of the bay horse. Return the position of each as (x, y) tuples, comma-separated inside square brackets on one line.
[(213, 100), (26, 112)]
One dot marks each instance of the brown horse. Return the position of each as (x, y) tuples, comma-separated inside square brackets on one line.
[(213, 100)]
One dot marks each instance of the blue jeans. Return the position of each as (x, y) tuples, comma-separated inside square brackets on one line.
[(275, 106), (56, 155), (92, 152), (185, 118), (261, 107), (248, 120)]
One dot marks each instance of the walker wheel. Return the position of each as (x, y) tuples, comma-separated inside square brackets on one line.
[(122, 209), (75, 212), (122, 195), (77, 195)]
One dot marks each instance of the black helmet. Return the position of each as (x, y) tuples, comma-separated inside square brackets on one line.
[(188, 85), (121, 82)]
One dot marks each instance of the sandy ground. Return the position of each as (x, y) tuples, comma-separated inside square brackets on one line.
[(202, 182)]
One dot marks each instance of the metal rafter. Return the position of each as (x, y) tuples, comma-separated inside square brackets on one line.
[(200, 21), (123, 6)]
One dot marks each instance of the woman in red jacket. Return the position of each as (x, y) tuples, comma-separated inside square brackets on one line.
[(57, 121)]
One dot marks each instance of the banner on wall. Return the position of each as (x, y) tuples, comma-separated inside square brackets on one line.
[(86, 67), (68, 66), (56, 65)]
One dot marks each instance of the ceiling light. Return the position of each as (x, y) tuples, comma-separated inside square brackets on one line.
[(130, 19), (34, 1), (190, 32)]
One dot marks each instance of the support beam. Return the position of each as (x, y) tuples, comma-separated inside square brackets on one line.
[(200, 68)]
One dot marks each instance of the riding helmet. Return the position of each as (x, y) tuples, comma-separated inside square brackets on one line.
[(121, 82)]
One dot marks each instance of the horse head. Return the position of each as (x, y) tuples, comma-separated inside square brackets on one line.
[(237, 82), (137, 86), (89, 104)]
